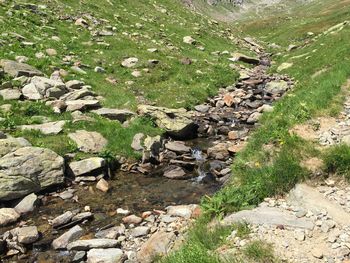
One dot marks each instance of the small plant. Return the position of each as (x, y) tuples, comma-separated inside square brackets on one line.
[(337, 160), (260, 252), (242, 228)]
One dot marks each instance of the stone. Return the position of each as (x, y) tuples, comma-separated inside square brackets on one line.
[(132, 219), (29, 169), (109, 255), (137, 142), (202, 108), (317, 252), (82, 216), (244, 58), (51, 52), (218, 151), (9, 144), (299, 235), (79, 257), (71, 235), (189, 40), (93, 165), (254, 117), (8, 216), (177, 122), (27, 234), (184, 211), (77, 94), (111, 233), (27, 204), (177, 146), (284, 66), (277, 87), (159, 244), (114, 114), (62, 219), (81, 105), (89, 142), (92, 243), (42, 87), (136, 73), (78, 70), (139, 231), (74, 84), (102, 185), (174, 172), (16, 69), (130, 62), (48, 128), (10, 94)]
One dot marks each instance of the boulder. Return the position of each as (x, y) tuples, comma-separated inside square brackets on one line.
[(89, 142), (92, 243), (26, 234), (132, 219), (137, 142), (177, 122), (184, 211), (16, 69), (77, 94), (29, 169), (10, 144), (178, 147), (108, 255), (27, 204), (93, 165), (277, 87), (73, 105), (244, 58), (8, 216), (74, 84), (41, 87), (62, 219), (10, 94), (71, 235), (189, 40), (174, 172), (130, 62), (218, 151), (114, 114), (139, 231), (48, 128)]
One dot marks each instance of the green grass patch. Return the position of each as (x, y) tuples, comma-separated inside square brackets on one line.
[(337, 160), (260, 252)]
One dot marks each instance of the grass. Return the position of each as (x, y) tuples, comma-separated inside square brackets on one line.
[(260, 252), (337, 160)]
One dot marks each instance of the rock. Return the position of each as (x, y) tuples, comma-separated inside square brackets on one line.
[(82, 216), (111, 233), (77, 94), (139, 231), (109, 255), (233, 135), (8, 216), (284, 66), (78, 70), (48, 128), (89, 142), (136, 73), (132, 219), (299, 235), (51, 52), (10, 94), (79, 257), (81, 105), (93, 165), (41, 87), (114, 114), (92, 243), (244, 58), (74, 84), (130, 62), (62, 219), (71, 235), (16, 69), (184, 211), (177, 146), (189, 40), (317, 252), (159, 244), (29, 169), (254, 117), (277, 87), (177, 122), (102, 185), (27, 204), (218, 152), (174, 172), (27, 234), (202, 108), (137, 142), (10, 144)]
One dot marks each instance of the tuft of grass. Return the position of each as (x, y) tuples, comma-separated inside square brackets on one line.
[(260, 252), (337, 160)]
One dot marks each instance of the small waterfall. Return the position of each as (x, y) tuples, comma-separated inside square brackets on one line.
[(200, 160)]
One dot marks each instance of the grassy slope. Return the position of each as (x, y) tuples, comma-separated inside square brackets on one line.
[(170, 83), (260, 171)]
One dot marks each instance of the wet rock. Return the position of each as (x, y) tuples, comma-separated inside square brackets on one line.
[(111, 233), (139, 231), (29, 169), (114, 114), (177, 146), (92, 243), (27, 234), (93, 165), (10, 94), (130, 62), (89, 142), (16, 69), (175, 172), (218, 152), (102, 185), (177, 122), (109, 255), (79, 257), (159, 244), (137, 142), (277, 87), (49, 128), (132, 219), (244, 58), (71, 235), (62, 219), (82, 216), (8, 216), (27, 204)]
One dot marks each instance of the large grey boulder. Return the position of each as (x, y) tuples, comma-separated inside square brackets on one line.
[(114, 114), (48, 128), (177, 122), (8, 216), (10, 144), (10, 94), (16, 69), (87, 166), (277, 87), (27, 170), (41, 87), (27, 204), (90, 142)]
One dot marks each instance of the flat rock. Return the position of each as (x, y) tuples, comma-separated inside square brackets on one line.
[(87, 166), (27, 234), (8, 216), (130, 62), (74, 84), (174, 172), (62, 219), (102, 185), (16, 69), (159, 244), (277, 87), (244, 58), (114, 114), (92, 243), (177, 146), (271, 216), (81, 105), (111, 233), (132, 219), (89, 142), (48, 128), (10, 94), (108, 255), (71, 235), (9, 144), (184, 211), (27, 204), (77, 94), (139, 231)]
